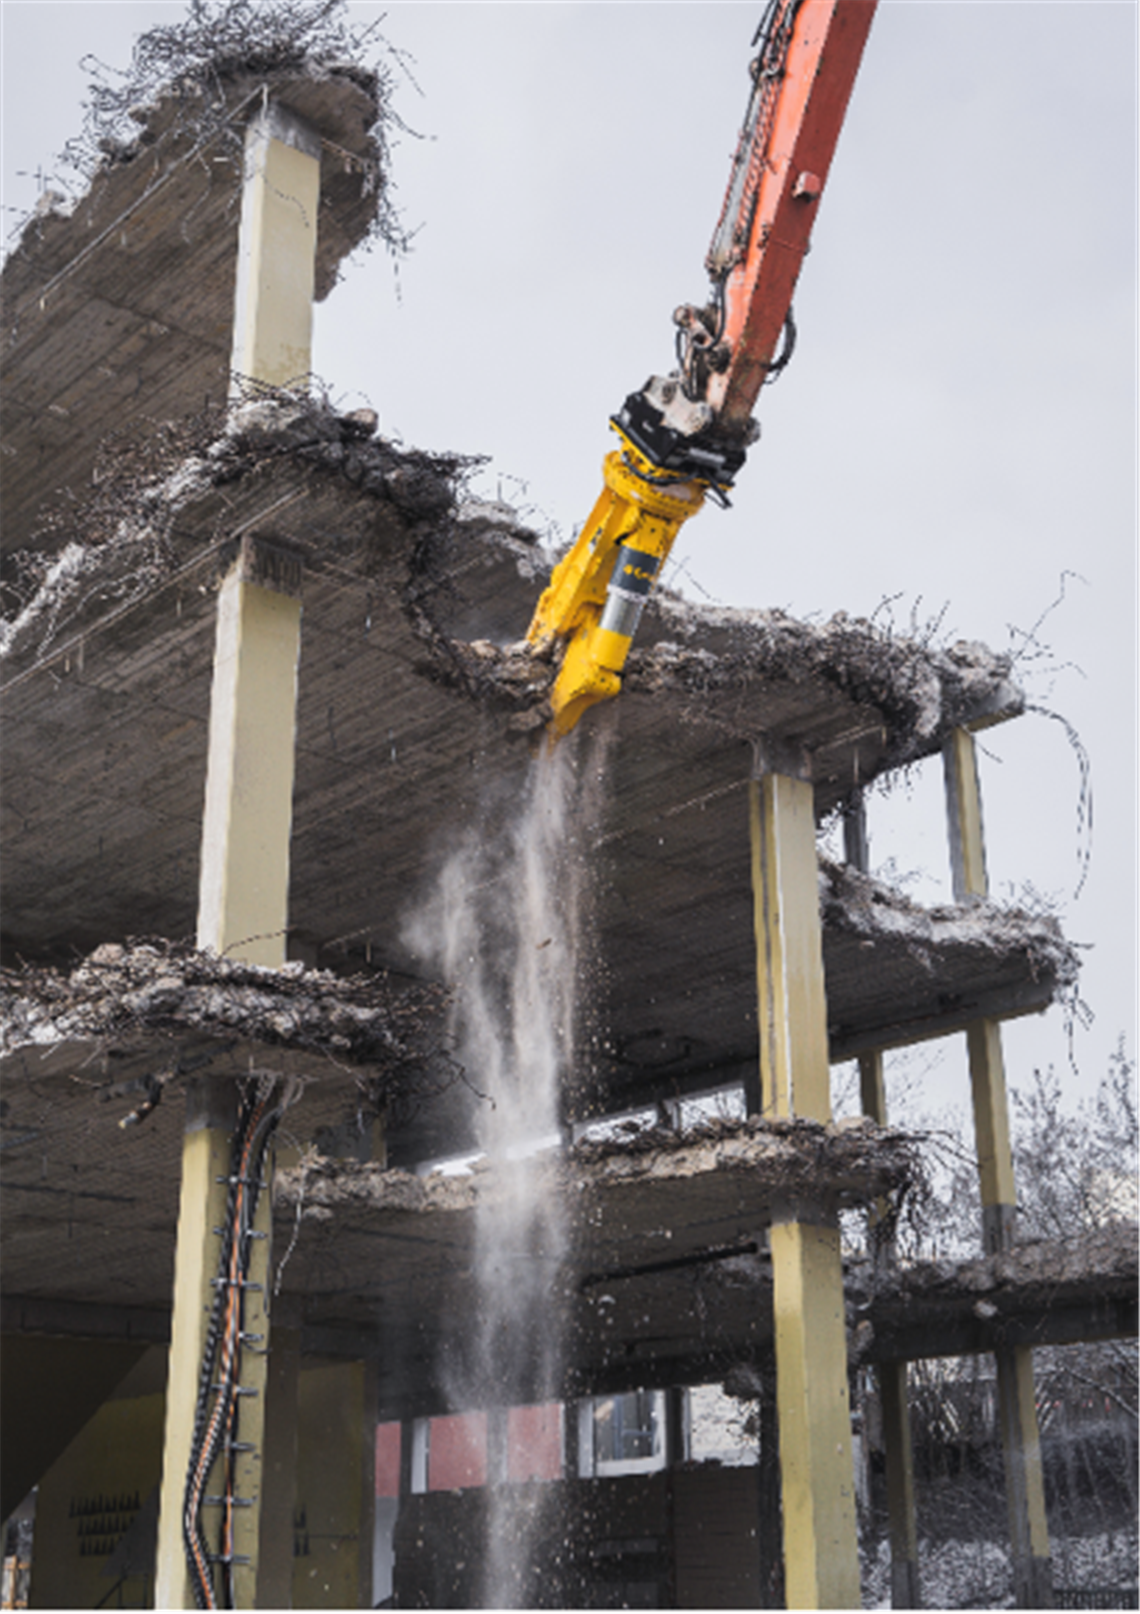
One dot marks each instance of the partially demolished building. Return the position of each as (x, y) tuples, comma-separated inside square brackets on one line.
[(202, 543)]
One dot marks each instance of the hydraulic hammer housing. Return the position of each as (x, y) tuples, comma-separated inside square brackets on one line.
[(599, 589)]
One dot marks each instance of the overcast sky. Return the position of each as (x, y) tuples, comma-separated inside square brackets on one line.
[(956, 431)]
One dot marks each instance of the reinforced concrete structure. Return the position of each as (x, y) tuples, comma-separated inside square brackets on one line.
[(258, 673)]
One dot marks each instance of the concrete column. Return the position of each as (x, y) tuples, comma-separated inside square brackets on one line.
[(676, 1425), (1024, 1482), (1024, 1479), (281, 196), (891, 1380), (244, 880), (210, 1117), (906, 1587), (821, 1560), (770, 1528), (791, 1008)]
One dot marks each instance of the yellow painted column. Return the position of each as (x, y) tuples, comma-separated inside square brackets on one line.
[(791, 1009), (821, 1559), (891, 1380), (1024, 1478), (902, 1528), (281, 197), (244, 879), (1021, 1443), (210, 1116), (244, 875)]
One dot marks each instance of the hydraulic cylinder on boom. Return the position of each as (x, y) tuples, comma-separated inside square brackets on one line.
[(684, 436)]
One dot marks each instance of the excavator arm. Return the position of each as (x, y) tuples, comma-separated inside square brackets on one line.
[(685, 436)]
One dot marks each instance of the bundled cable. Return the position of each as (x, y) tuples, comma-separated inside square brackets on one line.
[(219, 1389)]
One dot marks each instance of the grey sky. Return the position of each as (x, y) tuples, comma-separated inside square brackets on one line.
[(956, 429)]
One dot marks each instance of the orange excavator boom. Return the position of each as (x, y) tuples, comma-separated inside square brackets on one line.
[(686, 434)]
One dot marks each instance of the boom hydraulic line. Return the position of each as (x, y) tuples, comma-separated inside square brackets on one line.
[(686, 435)]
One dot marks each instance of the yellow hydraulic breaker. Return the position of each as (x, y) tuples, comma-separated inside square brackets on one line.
[(598, 590)]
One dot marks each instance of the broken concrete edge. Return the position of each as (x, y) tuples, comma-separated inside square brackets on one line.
[(195, 83), (920, 690), (859, 905), (120, 994), (120, 546), (93, 559), (158, 985), (1091, 1256), (852, 1163)]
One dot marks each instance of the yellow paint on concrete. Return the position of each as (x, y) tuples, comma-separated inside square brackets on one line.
[(1022, 1450), (332, 1543), (1017, 1408), (248, 1465), (80, 1511), (244, 886), (821, 1560), (902, 1527), (205, 1158), (791, 1007), (892, 1386), (277, 251), (964, 815), (991, 1113), (821, 1555)]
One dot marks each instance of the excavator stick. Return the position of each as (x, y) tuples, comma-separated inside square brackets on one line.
[(801, 85), (687, 434)]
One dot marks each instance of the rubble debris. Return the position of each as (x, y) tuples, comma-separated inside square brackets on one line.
[(921, 689), (1091, 1261), (112, 547), (858, 905), (720, 666), (192, 83), (853, 1162), (123, 993)]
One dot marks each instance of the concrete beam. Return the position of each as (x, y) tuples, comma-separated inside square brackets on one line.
[(28, 1314)]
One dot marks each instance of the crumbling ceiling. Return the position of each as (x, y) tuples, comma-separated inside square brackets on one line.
[(405, 737)]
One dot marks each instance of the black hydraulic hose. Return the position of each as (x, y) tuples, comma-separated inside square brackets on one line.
[(214, 1423)]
